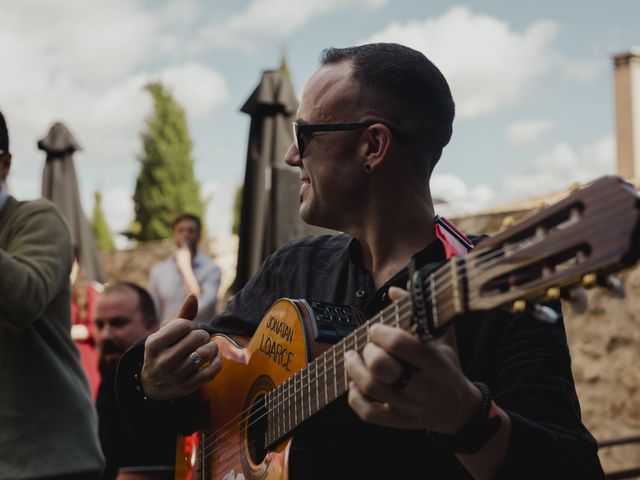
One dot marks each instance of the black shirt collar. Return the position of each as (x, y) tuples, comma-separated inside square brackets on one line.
[(433, 252)]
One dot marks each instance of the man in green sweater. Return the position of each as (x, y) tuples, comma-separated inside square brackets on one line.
[(48, 425)]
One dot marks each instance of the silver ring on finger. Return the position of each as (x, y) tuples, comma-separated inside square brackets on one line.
[(195, 359)]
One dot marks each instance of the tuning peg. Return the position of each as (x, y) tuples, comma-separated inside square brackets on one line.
[(541, 205), (507, 222), (518, 306), (614, 286), (553, 293), (577, 299), (540, 312), (545, 313), (589, 280)]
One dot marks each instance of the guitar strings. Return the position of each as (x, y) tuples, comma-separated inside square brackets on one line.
[(439, 279)]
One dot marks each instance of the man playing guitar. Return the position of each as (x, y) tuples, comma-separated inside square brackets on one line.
[(492, 397)]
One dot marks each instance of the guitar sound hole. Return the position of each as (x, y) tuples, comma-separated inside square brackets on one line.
[(256, 430)]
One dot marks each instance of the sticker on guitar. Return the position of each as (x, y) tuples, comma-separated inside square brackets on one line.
[(271, 346)]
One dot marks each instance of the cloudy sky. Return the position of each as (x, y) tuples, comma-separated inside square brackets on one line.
[(532, 83)]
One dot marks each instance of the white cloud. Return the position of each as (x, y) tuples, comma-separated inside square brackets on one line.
[(196, 87), (68, 63), (180, 13), (560, 167), (487, 63), (82, 63), (117, 205), (73, 41), (272, 19), (552, 171), (522, 133), (582, 71), (457, 197), (219, 199), (23, 188), (79, 62)]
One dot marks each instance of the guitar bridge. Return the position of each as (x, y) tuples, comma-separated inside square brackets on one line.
[(331, 323)]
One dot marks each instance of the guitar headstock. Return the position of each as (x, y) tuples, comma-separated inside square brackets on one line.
[(579, 241)]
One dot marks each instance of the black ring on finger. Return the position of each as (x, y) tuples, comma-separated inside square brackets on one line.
[(404, 378)]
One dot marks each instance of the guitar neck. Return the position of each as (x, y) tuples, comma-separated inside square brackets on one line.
[(325, 378)]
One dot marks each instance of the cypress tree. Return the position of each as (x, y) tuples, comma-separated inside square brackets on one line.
[(284, 67), (166, 185), (99, 226)]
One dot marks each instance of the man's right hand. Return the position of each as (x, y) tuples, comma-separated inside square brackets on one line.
[(168, 371)]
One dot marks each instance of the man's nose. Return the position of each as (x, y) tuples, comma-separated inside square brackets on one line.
[(292, 157), (106, 332)]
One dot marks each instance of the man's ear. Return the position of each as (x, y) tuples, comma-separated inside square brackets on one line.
[(376, 149)]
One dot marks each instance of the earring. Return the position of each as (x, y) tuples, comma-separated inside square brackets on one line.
[(367, 167)]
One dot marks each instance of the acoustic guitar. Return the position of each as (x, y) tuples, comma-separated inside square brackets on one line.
[(287, 372)]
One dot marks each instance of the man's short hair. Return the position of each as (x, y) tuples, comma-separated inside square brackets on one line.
[(187, 216), (419, 98), (4, 134), (145, 302)]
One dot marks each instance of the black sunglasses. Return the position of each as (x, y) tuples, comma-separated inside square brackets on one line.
[(302, 132)]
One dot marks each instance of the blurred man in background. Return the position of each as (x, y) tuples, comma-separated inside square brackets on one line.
[(124, 315), (187, 271)]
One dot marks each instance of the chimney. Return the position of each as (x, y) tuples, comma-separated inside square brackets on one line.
[(627, 108)]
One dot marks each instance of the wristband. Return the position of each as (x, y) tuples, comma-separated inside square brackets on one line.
[(481, 426)]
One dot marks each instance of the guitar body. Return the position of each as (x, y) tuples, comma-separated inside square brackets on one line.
[(232, 447)]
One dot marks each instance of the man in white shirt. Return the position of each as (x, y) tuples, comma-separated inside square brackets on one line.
[(187, 271)]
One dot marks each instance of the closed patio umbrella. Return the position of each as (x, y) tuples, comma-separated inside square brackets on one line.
[(60, 185), (269, 215)]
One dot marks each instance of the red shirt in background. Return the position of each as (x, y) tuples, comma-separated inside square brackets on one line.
[(82, 328)]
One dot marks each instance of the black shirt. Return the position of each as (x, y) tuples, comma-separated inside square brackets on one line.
[(150, 449), (525, 362)]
